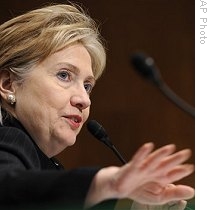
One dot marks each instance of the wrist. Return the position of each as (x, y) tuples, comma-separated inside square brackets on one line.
[(102, 187)]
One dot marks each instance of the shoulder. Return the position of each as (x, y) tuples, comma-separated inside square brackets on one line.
[(15, 137), (7, 132), (15, 142)]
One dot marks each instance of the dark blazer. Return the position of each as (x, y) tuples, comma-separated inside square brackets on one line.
[(31, 180)]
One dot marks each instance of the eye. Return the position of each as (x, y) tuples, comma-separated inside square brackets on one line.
[(88, 87), (64, 75)]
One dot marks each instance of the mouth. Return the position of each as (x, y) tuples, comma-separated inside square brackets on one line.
[(74, 121)]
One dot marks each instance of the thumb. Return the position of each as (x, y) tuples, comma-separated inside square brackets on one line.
[(177, 193)]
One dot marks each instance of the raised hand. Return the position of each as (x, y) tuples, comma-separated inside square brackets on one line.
[(145, 178)]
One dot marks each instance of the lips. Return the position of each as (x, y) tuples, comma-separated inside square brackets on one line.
[(74, 121)]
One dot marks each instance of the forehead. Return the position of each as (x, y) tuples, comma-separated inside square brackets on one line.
[(75, 56)]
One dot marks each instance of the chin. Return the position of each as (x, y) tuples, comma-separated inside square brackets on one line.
[(65, 137), (71, 143), (69, 140)]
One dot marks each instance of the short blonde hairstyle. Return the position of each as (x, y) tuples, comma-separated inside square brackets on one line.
[(28, 39)]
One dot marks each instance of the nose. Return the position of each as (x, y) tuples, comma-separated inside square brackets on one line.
[(80, 99)]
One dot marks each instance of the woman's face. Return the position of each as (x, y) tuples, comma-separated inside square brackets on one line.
[(53, 102)]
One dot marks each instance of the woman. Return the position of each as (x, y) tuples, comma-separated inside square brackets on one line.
[(50, 59)]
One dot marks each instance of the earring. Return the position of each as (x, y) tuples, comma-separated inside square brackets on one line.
[(11, 98)]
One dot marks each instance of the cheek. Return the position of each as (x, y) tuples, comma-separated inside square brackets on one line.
[(56, 100), (41, 104), (52, 98)]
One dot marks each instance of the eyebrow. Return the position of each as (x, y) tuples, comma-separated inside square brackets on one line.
[(77, 71)]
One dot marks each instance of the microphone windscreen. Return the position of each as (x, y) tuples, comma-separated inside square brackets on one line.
[(142, 64), (96, 129), (99, 133), (145, 66)]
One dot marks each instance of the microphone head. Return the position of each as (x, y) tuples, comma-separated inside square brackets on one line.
[(145, 66), (96, 129), (99, 132)]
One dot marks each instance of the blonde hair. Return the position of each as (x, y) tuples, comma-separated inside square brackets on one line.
[(29, 38)]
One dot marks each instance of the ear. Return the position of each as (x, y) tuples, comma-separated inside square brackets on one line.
[(6, 83)]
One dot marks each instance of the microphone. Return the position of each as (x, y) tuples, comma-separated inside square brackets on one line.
[(146, 67), (99, 133)]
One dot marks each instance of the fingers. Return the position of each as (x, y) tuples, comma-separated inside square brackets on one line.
[(143, 179), (162, 163), (168, 197), (178, 192), (179, 172), (143, 152), (174, 159), (156, 157), (143, 157), (175, 174)]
